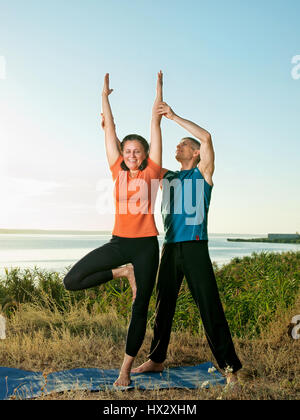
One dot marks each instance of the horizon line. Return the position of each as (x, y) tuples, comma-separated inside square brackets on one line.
[(88, 231)]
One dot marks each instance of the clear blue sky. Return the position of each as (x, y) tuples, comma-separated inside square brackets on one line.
[(226, 64)]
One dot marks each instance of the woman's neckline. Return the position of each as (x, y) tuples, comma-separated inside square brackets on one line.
[(135, 175)]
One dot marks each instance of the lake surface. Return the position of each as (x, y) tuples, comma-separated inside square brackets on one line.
[(56, 252)]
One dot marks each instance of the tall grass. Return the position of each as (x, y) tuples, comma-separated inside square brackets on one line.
[(52, 329), (252, 290)]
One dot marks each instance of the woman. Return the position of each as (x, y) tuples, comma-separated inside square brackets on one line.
[(134, 164)]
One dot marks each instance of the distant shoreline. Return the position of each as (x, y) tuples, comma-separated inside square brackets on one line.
[(53, 232), (272, 241), (81, 232), (108, 232)]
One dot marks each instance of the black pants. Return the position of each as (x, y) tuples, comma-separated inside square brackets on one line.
[(191, 259), (96, 268)]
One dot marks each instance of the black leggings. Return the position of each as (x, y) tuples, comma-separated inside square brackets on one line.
[(191, 259), (96, 268)]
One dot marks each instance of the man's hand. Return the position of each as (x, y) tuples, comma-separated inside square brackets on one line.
[(155, 111), (165, 110), (106, 90)]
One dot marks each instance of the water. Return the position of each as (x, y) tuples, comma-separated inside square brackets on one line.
[(56, 252)]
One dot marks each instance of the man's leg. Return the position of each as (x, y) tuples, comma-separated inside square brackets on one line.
[(202, 283), (170, 277)]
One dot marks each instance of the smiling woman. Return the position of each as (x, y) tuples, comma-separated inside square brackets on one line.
[(135, 151), (133, 250)]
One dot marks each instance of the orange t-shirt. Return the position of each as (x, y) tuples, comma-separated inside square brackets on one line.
[(134, 200)]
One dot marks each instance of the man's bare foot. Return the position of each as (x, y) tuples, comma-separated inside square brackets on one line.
[(123, 379), (232, 381), (127, 271), (149, 366)]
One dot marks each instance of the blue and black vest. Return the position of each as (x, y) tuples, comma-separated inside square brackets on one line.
[(185, 203)]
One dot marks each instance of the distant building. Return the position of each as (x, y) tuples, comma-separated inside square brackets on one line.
[(283, 236)]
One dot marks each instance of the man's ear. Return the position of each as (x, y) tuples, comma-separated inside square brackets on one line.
[(197, 154)]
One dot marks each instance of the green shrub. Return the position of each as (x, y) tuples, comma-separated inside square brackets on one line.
[(252, 290)]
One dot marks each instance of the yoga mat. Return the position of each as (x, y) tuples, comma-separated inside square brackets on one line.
[(25, 385)]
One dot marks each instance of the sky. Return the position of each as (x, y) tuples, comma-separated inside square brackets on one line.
[(231, 67)]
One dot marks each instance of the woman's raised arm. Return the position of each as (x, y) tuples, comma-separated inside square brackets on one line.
[(155, 152), (112, 143)]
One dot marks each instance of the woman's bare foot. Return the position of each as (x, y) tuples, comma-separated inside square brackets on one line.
[(123, 379), (127, 271), (149, 366)]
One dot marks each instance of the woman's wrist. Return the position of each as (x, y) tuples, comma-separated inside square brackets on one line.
[(156, 118)]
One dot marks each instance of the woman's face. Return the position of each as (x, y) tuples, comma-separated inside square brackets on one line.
[(133, 154)]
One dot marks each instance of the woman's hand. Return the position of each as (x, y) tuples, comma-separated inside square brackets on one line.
[(159, 86), (106, 90), (158, 99)]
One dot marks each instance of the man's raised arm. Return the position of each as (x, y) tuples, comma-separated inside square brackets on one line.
[(207, 155)]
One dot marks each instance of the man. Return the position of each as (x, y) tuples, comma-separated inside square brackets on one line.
[(185, 204)]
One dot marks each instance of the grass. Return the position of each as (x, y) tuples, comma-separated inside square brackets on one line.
[(50, 329)]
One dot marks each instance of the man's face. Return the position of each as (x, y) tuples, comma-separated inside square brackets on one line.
[(185, 151)]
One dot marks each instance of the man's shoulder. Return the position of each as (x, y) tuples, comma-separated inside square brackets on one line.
[(170, 175), (207, 176), (166, 173)]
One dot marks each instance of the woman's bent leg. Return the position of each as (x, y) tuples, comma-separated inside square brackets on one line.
[(95, 268)]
